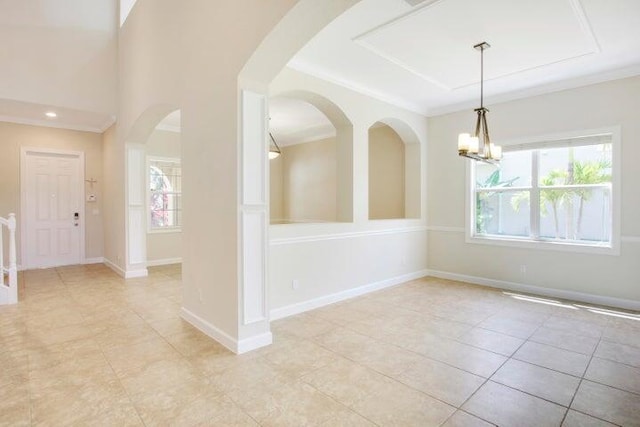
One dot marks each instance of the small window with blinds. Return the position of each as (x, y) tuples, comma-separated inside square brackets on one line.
[(554, 191), (165, 194)]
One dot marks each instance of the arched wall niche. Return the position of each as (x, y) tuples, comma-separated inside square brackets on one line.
[(411, 170), (323, 167)]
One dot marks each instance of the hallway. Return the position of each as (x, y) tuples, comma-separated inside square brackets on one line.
[(85, 347)]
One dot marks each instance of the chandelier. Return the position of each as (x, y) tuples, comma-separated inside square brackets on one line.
[(274, 149), (479, 146)]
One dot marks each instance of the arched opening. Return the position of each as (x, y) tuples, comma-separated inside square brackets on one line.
[(163, 174), (154, 190), (304, 180)]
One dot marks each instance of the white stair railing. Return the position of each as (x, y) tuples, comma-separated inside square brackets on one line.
[(9, 272)]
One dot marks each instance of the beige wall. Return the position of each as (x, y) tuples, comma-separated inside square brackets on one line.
[(113, 188), (15, 136), (164, 246), (276, 193), (386, 173), (603, 105), (309, 181)]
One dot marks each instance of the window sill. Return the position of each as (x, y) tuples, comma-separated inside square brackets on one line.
[(524, 243), (165, 230)]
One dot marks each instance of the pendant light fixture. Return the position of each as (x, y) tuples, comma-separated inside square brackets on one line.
[(274, 149), (479, 146)]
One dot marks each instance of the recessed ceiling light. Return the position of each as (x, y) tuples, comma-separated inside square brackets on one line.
[(50, 114)]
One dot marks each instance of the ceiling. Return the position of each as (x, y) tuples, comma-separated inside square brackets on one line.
[(411, 53), (422, 58), (58, 56)]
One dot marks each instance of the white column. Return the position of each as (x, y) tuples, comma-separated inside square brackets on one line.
[(136, 212), (253, 319)]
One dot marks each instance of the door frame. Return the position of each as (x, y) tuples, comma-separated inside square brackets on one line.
[(26, 151)]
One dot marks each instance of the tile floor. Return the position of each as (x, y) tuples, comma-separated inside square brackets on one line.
[(84, 347)]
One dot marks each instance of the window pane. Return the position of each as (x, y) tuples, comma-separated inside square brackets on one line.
[(576, 214), (504, 213), (165, 182), (589, 164), (514, 171)]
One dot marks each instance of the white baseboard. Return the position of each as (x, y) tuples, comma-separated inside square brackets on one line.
[(301, 307), (538, 290), (223, 338), (96, 260), (166, 261), (254, 343), (127, 274), (132, 274), (114, 267)]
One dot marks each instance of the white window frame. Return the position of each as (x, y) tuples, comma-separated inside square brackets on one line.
[(532, 143), (150, 229)]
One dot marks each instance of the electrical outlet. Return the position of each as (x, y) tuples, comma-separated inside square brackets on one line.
[(295, 284), (523, 269)]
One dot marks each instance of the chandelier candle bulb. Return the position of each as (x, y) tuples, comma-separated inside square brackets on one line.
[(463, 142), (496, 152), (474, 144)]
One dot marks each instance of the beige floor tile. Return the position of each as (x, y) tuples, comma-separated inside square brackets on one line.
[(376, 355), (565, 340), (610, 404), (565, 361), (463, 356), (491, 341), (129, 359), (164, 374), (514, 409), (187, 405), (574, 326), (14, 402), (303, 326), (14, 364), (398, 405), (346, 381), (67, 404), (246, 375), (441, 381), (348, 418), (343, 341), (576, 419), (300, 358), (510, 326), (614, 374), (289, 404), (622, 335), (463, 419), (545, 383), (191, 342), (621, 353), (218, 360)]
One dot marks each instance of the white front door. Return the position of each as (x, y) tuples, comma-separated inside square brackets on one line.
[(52, 202)]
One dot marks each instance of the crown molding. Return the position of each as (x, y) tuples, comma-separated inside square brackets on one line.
[(51, 124)]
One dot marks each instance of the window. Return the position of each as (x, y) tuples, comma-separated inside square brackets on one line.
[(165, 201), (557, 192)]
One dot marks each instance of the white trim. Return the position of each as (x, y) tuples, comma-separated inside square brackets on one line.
[(254, 343), (24, 152), (164, 261), (533, 242), (114, 267), (630, 239), (54, 124), (445, 229), (139, 272), (127, 274), (168, 128), (348, 235), (301, 307), (538, 290), (95, 260), (225, 339)]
